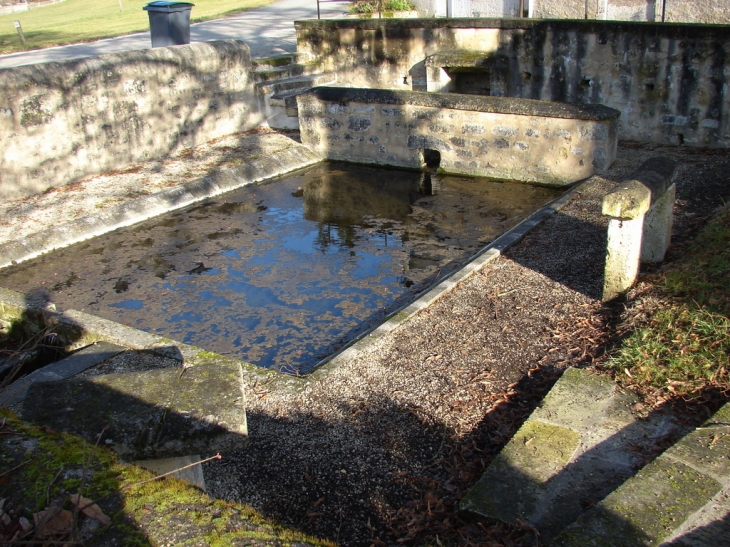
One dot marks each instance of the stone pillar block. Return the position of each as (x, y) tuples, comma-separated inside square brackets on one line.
[(641, 223), (658, 228), (623, 252)]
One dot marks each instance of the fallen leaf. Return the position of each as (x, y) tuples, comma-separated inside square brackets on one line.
[(90, 509), (53, 522)]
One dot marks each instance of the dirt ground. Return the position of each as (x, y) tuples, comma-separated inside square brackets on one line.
[(380, 452)]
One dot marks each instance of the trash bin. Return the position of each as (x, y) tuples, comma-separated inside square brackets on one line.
[(169, 22)]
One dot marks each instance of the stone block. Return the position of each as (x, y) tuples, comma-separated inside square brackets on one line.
[(461, 127), (514, 483), (658, 227), (646, 509), (150, 414), (641, 223)]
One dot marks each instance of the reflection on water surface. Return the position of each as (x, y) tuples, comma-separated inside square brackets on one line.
[(282, 274)]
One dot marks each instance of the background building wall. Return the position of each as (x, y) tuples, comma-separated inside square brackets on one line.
[(669, 81), (697, 11)]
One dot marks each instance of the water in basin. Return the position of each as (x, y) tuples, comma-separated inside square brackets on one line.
[(282, 274)]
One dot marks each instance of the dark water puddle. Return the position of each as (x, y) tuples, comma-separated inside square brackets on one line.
[(283, 274)]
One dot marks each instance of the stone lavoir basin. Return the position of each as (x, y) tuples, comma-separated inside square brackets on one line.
[(284, 273)]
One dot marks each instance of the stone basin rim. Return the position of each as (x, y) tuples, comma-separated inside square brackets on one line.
[(96, 328)]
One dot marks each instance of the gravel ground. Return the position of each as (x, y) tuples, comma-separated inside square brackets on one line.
[(384, 447), (381, 450)]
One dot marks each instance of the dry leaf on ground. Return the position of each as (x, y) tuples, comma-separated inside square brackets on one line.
[(53, 522), (90, 509)]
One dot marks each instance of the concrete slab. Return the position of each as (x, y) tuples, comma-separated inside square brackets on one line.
[(193, 474), (159, 413), (680, 499), (131, 212), (581, 444)]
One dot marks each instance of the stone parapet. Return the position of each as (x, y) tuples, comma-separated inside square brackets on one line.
[(518, 139), (62, 122), (667, 80)]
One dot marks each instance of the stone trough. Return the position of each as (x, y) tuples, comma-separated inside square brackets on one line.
[(541, 142)]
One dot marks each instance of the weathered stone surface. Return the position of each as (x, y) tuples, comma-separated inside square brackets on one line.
[(515, 139), (193, 474), (631, 200), (667, 80), (582, 443), (61, 122), (641, 223), (145, 207), (633, 197), (65, 368), (665, 502), (497, 105), (150, 414)]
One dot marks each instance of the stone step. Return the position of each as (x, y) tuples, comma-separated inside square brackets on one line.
[(680, 499), (283, 59), (148, 413), (269, 74), (278, 98), (581, 444), (298, 83)]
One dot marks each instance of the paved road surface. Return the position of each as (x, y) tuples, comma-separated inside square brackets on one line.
[(267, 31)]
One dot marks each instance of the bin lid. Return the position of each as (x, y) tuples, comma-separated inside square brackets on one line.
[(165, 5)]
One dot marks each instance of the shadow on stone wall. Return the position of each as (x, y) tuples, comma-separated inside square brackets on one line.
[(70, 120)]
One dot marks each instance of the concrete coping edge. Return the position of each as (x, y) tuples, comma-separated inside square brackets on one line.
[(497, 105), (107, 61), (465, 58)]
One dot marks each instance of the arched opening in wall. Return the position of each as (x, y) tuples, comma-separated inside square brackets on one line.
[(432, 158)]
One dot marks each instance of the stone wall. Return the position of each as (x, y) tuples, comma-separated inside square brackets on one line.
[(62, 122), (561, 9), (675, 11), (697, 11), (534, 141), (668, 80)]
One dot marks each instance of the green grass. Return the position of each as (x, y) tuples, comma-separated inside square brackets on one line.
[(82, 21), (371, 6), (684, 347), (142, 513)]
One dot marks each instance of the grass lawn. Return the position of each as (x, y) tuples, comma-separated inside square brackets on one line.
[(82, 21), (681, 347)]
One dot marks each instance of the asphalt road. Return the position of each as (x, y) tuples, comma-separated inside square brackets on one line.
[(267, 31)]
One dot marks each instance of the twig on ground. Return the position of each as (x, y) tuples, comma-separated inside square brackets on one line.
[(216, 457)]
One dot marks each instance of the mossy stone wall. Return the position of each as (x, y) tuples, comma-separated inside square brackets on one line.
[(526, 140), (669, 81)]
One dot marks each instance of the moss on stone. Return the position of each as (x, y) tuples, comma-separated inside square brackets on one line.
[(166, 511)]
